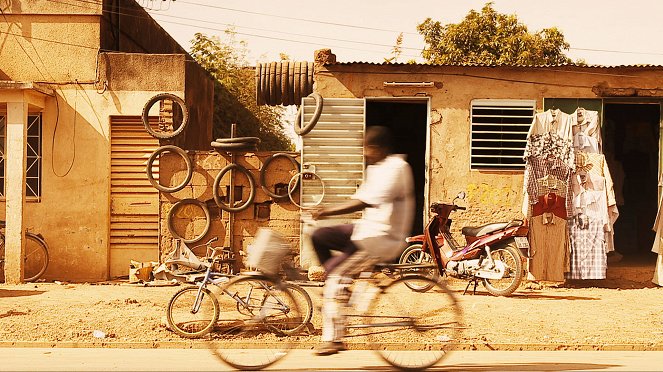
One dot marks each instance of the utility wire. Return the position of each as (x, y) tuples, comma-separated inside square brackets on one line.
[(294, 18), (253, 28), (315, 21)]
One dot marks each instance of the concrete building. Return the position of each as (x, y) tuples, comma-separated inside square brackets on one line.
[(439, 112), (74, 77)]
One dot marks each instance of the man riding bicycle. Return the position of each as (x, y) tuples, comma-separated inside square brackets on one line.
[(386, 198)]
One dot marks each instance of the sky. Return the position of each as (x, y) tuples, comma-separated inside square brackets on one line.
[(604, 32)]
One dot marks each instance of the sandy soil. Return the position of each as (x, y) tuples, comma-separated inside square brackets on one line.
[(624, 311)]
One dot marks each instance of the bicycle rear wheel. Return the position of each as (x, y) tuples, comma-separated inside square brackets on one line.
[(415, 334), (35, 259), (192, 316), (256, 315)]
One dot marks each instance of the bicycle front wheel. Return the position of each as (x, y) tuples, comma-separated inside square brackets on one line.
[(415, 334), (35, 259), (192, 312), (257, 314)]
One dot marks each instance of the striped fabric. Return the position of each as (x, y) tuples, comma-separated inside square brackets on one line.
[(588, 255)]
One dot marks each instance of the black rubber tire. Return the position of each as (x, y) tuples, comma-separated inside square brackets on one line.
[(303, 80), (209, 323), (279, 75), (180, 152), (272, 84), (415, 251), (285, 85), (35, 261), (146, 113), (310, 71), (297, 84), (234, 147), (254, 140), (258, 72), (217, 181), (201, 205), (263, 171), (291, 83), (264, 78), (302, 131)]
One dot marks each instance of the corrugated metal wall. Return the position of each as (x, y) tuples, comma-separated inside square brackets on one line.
[(334, 150), (134, 230)]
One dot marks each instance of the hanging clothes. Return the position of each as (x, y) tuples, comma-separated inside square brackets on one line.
[(586, 131), (550, 136), (657, 247), (549, 248)]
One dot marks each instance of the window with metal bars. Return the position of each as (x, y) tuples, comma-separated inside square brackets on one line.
[(33, 165), (499, 133)]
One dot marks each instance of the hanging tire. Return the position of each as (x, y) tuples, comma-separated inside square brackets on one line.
[(146, 113), (253, 140), (258, 75), (199, 204), (228, 207), (302, 131), (263, 171), (297, 84), (179, 151)]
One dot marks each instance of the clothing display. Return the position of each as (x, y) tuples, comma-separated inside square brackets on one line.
[(658, 240), (568, 196), (549, 248)]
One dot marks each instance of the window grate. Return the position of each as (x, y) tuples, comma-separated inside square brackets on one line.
[(499, 133), (34, 156)]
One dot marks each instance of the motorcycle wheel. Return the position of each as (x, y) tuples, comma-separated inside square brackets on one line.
[(414, 254), (510, 256)]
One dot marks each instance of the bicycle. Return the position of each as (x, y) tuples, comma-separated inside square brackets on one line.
[(250, 301), (35, 259)]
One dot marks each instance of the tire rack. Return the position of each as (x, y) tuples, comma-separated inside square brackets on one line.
[(283, 83)]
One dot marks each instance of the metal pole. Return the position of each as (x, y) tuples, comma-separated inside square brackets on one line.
[(231, 193)]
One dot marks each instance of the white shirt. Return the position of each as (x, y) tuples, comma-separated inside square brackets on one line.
[(388, 189)]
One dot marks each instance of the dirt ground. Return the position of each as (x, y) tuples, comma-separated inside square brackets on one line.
[(623, 312)]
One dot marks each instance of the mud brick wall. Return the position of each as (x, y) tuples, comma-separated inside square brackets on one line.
[(189, 220)]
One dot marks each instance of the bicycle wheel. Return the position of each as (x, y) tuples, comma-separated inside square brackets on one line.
[(256, 314), (192, 316), (415, 334), (35, 259), (305, 306)]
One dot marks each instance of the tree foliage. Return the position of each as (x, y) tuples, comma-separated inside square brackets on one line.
[(490, 37), (234, 93)]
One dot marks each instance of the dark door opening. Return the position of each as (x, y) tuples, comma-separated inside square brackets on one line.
[(407, 121), (631, 138)]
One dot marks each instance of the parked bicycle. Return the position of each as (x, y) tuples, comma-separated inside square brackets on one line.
[(248, 304), (35, 258)]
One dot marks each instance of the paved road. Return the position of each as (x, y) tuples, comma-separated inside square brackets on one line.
[(96, 359)]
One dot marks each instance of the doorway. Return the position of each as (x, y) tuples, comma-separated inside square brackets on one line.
[(407, 120), (631, 147)]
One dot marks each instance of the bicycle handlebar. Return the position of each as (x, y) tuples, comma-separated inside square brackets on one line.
[(461, 208)]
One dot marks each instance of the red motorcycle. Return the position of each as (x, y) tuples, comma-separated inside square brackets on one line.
[(492, 253)]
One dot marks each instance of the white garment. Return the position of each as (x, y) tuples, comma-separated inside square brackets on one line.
[(388, 189), (586, 131)]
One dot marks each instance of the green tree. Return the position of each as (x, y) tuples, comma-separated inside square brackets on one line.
[(492, 38), (234, 93)]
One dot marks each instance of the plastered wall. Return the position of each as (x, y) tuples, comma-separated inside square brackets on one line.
[(491, 195)]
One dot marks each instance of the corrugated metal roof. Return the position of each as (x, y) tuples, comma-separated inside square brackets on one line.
[(487, 65)]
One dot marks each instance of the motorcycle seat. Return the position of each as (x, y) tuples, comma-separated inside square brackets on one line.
[(489, 228)]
